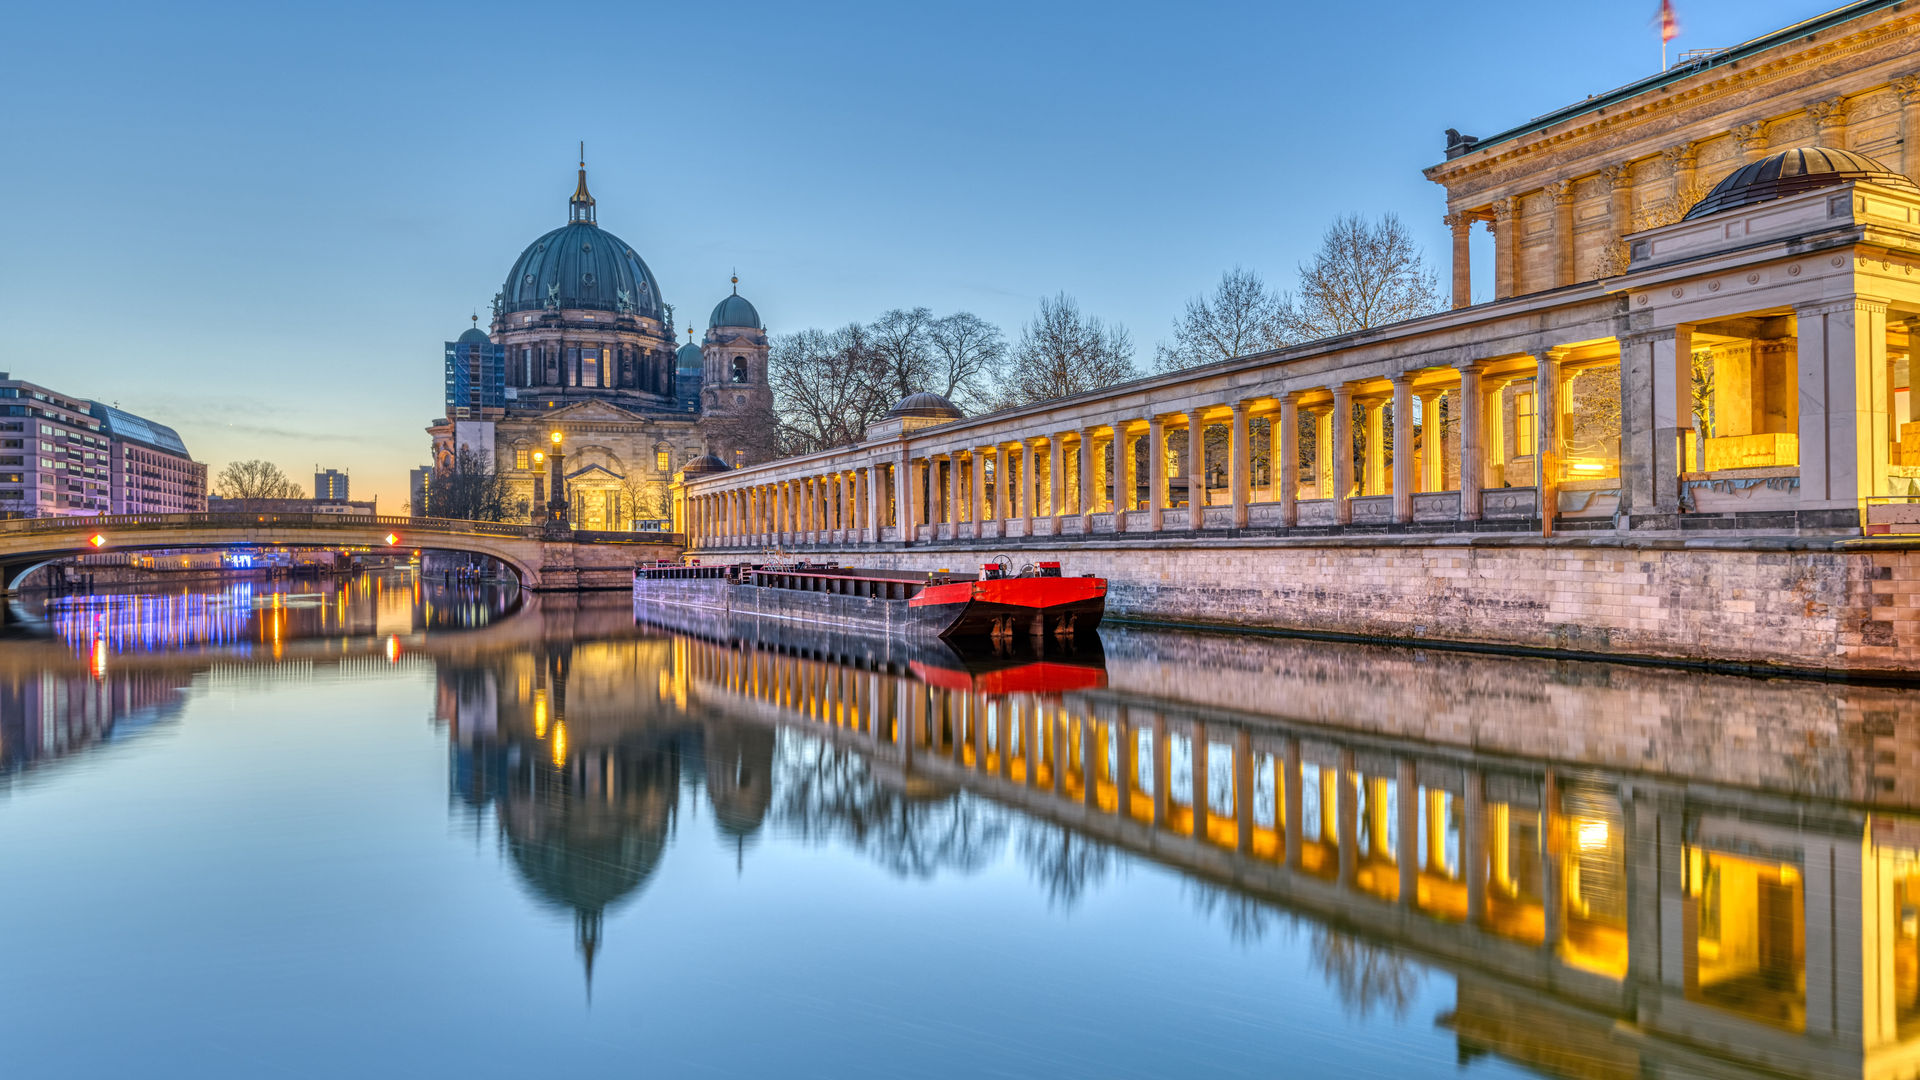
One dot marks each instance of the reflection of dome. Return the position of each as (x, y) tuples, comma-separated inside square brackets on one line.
[(691, 360), (926, 405), (704, 465), (734, 311), (1791, 172), (739, 766), (581, 265)]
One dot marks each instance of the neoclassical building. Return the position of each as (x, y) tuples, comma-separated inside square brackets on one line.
[(583, 343)]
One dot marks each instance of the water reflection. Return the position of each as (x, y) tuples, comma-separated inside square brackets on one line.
[(1618, 871)]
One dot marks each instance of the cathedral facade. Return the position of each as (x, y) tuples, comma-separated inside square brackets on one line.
[(581, 355)]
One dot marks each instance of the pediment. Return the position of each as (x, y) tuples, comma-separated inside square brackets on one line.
[(594, 472), (593, 410)]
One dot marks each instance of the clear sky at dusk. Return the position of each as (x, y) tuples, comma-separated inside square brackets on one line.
[(259, 223)]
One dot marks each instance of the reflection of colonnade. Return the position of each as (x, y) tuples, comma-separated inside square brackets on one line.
[(1710, 920)]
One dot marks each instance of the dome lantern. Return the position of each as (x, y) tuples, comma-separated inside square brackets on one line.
[(734, 311), (580, 207)]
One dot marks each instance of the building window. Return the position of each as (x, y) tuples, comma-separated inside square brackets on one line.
[(520, 458), (662, 461), (1523, 424), (739, 369)]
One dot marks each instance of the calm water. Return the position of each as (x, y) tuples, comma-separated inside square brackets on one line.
[(385, 829)]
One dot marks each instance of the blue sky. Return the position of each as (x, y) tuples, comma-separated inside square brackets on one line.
[(259, 223)]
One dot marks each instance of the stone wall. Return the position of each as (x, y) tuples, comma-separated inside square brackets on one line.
[(1840, 610)]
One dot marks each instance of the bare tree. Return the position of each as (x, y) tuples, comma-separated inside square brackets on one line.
[(1062, 352), (1067, 864), (966, 352), (1242, 316), (1366, 977), (645, 498), (1366, 274), (469, 488), (827, 387), (255, 479), (902, 344)]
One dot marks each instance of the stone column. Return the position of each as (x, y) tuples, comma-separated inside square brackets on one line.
[(1845, 403), (1196, 471), (1123, 478), (1056, 479), (1829, 122), (778, 526), (1473, 468), (1027, 457), (1342, 453), (1156, 474), (1403, 448), (1505, 244), (1197, 741), (1347, 818), (1752, 138), (1286, 459), (1561, 192), (1085, 503), (956, 494), (1002, 488), (876, 480), (908, 496), (1239, 464), (1461, 224), (1375, 480), (1547, 392), (1289, 795), (1407, 858), (976, 501), (1433, 467), (1680, 162), (1243, 791), (1619, 182), (1473, 847), (1906, 89), (1671, 368)]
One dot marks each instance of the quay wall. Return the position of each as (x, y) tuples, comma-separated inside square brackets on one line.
[(1821, 608)]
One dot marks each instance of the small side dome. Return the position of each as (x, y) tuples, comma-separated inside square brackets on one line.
[(474, 336), (1791, 172), (931, 406), (690, 360), (734, 311), (705, 465)]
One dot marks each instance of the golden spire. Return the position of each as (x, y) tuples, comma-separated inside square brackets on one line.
[(736, 281)]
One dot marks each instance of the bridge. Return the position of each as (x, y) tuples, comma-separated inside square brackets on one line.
[(542, 559)]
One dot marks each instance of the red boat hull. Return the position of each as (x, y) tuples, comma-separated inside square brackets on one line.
[(1040, 606)]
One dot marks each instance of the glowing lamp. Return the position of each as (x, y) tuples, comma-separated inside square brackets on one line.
[(98, 540), (1590, 834), (392, 539), (539, 456), (556, 438)]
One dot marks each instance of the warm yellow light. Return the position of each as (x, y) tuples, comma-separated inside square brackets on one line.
[(99, 658), (560, 743), (1591, 835), (98, 540), (556, 438), (393, 648), (539, 456), (1586, 466), (540, 715)]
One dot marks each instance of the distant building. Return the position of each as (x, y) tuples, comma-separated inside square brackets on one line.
[(331, 484), (417, 487), (61, 457), (476, 376), (151, 471)]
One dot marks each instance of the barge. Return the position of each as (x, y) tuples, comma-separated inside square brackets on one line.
[(997, 605)]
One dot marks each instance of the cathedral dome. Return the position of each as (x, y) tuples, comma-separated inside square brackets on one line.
[(705, 465), (1791, 172), (474, 336), (734, 311), (581, 266), (691, 360), (923, 404)]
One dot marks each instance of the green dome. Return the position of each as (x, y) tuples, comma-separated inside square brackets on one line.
[(692, 361), (734, 311), (474, 336)]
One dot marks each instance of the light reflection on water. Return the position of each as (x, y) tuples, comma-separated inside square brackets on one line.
[(611, 845)]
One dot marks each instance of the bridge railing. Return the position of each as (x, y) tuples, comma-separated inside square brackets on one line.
[(404, 527)]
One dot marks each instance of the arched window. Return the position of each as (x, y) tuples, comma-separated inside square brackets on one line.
[(739, 369)]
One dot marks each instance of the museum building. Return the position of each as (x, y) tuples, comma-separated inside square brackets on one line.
[(582, 343)]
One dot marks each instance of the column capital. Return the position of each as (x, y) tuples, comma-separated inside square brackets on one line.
[(1459, 222), (1556, 354), (1907, 87), (1751, 134), (1402, 378), (1561, 192), (1680, 156), (1503, 209), (1828, 110), (1341, 392), (1617, 177), (1470, 367)]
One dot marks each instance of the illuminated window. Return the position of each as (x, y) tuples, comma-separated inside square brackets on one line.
[(521, 458), (662, 461), (1523, 424)]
